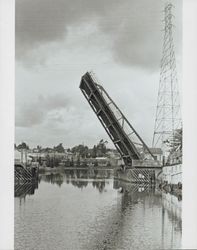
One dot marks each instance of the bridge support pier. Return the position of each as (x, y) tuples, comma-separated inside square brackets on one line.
[(134, 175)]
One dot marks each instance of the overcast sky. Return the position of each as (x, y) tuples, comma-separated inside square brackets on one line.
[(58, 41)]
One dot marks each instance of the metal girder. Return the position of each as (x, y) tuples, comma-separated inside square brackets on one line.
[(126, 140)]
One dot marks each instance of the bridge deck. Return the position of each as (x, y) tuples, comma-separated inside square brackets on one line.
[(123, 135)]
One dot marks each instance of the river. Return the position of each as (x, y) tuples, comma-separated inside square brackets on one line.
[(89, 210)]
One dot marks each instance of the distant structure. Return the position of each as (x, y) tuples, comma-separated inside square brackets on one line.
[(168, 115)]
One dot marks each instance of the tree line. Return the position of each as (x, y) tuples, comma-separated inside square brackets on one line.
[(98, 150)]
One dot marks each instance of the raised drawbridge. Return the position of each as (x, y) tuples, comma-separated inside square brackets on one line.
[(127, 141)]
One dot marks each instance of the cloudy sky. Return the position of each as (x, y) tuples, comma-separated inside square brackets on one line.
[(58, 41)]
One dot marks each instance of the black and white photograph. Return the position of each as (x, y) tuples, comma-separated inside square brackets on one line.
[(98, 130), (98, 159)]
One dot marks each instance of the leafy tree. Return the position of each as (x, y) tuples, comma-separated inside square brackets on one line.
[(39, 148), (81, 150), (94, 151), (175, 142), (40, 161), (59, 148), (47, 150), (101, 147), (48, 161), (56, 161), (52, 161), (23, 145)]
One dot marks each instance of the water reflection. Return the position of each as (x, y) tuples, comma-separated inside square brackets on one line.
[(21, 190), (53, 178), (166, 226), (80, 178), (89, 173), (139, 193), (76, 216)]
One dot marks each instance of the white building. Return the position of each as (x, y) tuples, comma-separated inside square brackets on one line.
[(172, 174)]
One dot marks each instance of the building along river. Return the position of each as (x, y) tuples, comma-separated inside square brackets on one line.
[(89, 210)]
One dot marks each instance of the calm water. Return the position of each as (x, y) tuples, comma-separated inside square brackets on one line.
[(89, 210)]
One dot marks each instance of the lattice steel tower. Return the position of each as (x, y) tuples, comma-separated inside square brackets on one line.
[(168, 117)]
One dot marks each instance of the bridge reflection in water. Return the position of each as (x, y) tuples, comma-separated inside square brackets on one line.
[(82, 209), (21, 190)]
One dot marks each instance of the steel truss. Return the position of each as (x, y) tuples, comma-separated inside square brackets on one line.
[(168, 117), (125, 138)]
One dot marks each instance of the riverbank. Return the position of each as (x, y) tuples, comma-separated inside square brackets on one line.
[(174, 189)]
